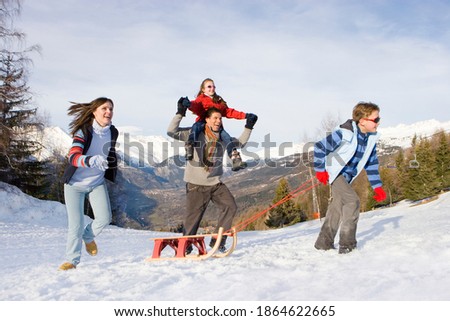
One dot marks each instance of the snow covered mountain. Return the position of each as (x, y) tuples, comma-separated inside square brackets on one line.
[(401, 135), (54, 141), (149, 151)]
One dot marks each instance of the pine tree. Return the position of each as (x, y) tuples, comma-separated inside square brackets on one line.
[(399, 161), (18, 119), (422, 178), (56, 167), (286, 213), (399, 174), (443, 160)]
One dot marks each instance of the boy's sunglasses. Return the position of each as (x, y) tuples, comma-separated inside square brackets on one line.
[(376, 120)]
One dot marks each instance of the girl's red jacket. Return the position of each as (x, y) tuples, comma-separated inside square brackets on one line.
[(202, 103)]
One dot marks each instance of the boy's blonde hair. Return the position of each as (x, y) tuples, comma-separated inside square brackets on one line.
[(364, 110)]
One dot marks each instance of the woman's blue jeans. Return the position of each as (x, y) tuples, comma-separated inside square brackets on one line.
[(74, 197)]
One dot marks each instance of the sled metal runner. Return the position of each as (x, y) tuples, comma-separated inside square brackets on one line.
[(180, 243)]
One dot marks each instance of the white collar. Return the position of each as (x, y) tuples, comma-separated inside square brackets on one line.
[(99, 130)]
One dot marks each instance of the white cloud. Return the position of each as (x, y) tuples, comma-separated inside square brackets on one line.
[(290, 62)]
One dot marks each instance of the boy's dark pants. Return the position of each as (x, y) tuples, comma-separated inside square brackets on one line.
[(197, 200), (343, 211)]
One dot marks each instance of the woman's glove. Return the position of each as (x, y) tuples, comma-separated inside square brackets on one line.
[(99, 162)]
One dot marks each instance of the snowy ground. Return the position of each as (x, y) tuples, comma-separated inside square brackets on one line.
[(403, 254)]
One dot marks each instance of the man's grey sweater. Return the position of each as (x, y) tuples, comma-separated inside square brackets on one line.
[(195, 172)]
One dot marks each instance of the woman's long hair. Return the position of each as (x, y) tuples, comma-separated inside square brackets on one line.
[(216, 98), (84, 113)]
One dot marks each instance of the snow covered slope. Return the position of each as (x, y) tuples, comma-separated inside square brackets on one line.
[(403, 254)]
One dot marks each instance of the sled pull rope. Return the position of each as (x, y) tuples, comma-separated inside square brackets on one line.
[(300, 190)]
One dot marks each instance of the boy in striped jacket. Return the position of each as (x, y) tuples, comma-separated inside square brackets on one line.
[(338, 159)]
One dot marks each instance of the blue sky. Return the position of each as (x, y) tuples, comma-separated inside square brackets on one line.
[(293, 63)]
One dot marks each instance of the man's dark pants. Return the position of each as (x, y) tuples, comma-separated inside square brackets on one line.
[(197, 200)]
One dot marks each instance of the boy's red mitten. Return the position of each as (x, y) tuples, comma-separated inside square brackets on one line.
[(323, 177), (380, 194)]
